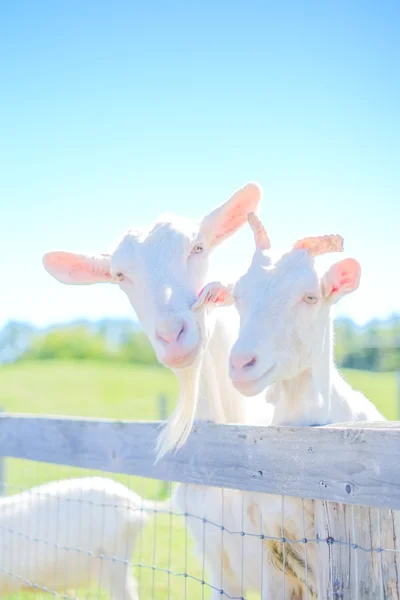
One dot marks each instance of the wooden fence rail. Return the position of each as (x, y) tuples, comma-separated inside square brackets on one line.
[(352, 471), (356, 464)]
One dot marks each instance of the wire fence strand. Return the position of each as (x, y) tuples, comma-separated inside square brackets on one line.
[(170, 554)]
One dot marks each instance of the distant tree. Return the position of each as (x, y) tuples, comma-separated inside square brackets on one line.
[(69, 343), (136, 348), (390, 360), (80, 342), (375, 346)]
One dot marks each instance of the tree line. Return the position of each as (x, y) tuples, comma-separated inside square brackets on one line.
[(374, 347)]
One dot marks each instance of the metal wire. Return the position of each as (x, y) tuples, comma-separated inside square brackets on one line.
[(194, 568), (305, 551)]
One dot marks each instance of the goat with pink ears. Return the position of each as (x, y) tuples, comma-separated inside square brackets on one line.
[(161, 270), (285, 342), (285, 349)]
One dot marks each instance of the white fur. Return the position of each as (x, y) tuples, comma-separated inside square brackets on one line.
[(162, 276), (290, 340), (162, 269), (285, 347), (41, 530)]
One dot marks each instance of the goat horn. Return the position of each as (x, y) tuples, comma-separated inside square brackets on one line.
[(260, 235), (322, 244)]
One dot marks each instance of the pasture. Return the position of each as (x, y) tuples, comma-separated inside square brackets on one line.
[(128, 392)]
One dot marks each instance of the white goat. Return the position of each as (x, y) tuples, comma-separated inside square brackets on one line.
[(64, 535), (285, 347), (162, 271)]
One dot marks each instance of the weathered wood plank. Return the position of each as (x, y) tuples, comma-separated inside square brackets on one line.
[(356, 465), (361, 560), (2, 471)]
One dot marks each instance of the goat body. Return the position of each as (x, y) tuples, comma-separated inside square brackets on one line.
[(229, 526), (162, 269), (285, 348), (69, 534)]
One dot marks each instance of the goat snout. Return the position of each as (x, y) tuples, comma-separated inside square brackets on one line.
[(177, 342), (245, 362), (170, 331)]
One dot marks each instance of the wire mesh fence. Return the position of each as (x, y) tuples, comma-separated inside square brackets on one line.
[(95, 540), (77, 533)]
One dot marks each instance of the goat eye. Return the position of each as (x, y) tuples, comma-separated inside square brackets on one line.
[(310, 299), (119, 276), (197, 249)]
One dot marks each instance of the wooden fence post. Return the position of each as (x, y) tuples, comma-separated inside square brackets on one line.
[(2, 471), (398, 392)]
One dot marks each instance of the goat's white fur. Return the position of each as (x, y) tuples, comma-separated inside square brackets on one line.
[(161, 283), (162, 269), (53, 535), (286, 328), (162, 279)]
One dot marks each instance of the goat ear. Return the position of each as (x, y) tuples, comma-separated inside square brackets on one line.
[(228, 218), (341, 279), (78, 269), (214, 294)]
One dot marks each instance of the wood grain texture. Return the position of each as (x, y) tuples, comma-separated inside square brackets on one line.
[(352, 470), (2, 470), (356, 464), (362, 560)]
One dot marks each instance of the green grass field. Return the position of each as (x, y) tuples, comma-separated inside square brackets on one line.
[(126, 392)]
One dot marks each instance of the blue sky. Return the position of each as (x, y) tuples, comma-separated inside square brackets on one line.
[(112, 112)]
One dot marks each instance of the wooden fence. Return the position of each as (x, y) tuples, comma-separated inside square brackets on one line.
[(354, 469)]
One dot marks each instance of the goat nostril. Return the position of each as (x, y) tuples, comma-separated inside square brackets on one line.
[(250, 363), (182, 331), (162, 338), (243, 362)]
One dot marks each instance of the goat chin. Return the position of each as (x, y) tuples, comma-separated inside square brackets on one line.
[(178, 427)]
